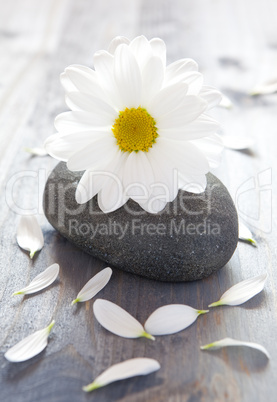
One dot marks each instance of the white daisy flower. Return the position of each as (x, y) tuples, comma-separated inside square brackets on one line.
[(137, 127)]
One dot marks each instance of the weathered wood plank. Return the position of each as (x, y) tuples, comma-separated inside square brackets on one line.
[(235, 45)]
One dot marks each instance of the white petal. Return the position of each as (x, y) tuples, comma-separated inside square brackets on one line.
[(159, 49), (142, 50), (36, 151), (118, 40), (116, 320), (190, 108), (234, 342), (171, 319), (111, 196), (62, 147), (93, 286), (245, 234), (237, 142), (168, 99), (226, 102), (93, 154), (29, 235), (128, 368), (179, 68), (194, 81), (76, 77), (89, 185), (203, 126), (211, 96), (104, 66), (41, 281), (269, 87), (242, 291), (30, 346), (154, 204), (95, 180), (67, 84), (183, 156), (211, 147), (83, 79), (152, 78), (164, 174), (192, 183), (127, 76), (78, 121), (81, 101), (138, 170)]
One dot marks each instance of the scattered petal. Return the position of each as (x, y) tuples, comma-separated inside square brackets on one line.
[(128, 368), (29, 235), (41, 281), (116, 320), (233, 342), (226, 102), (245, 234), (93, 286), (30, 346), (171, 319), (237, 143), (269, 87), (36, 151), (242, 291)]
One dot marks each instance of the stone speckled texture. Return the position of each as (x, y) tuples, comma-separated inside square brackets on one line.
[(191, 238)]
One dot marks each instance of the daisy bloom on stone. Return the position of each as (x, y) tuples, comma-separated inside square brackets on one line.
[(137, 127)]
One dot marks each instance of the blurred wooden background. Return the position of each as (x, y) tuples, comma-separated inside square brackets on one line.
[(235, 44)]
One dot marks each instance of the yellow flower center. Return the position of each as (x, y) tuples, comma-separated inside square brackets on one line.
[(135, 130)]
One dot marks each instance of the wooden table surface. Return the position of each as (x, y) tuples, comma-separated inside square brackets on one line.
[(235, 44)]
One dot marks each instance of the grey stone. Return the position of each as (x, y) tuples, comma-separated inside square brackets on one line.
[(191, 238)]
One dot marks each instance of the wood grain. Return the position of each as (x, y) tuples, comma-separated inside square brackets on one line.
[(235, 45)]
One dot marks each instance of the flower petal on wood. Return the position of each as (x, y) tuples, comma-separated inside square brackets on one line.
[(41, 281), (128, 368), (93, 286), (29, 235), (36, 151), (234, 342), (242, 291), (30, 346), (237, 143), (226, 102), (268, 87), (116, 320), (245, 234), (171, 319)]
